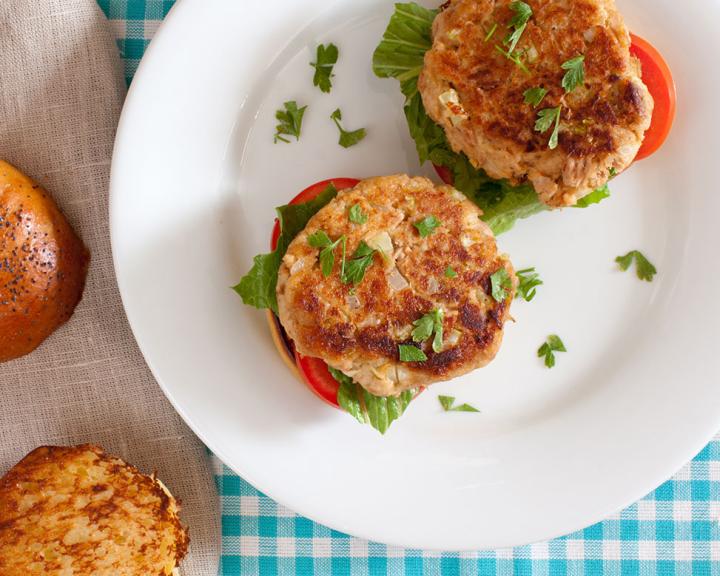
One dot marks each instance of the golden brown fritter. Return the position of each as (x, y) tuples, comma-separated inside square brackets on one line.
[(358, 328), (77, 511), (476, 93)]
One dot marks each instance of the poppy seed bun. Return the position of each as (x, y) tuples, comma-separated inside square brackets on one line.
[(43, 265), (358, 328), (77, 511), (603, 121)]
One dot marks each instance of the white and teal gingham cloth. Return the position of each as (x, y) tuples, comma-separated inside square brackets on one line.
[(675, 530)]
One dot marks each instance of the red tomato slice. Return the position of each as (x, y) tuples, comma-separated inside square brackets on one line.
[(314, 372), (316, 375), (307, 195), (658, 78)]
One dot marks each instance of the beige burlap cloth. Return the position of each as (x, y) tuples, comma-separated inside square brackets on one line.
[(61, 90)]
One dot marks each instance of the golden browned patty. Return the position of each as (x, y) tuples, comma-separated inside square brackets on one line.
[(476, 93), (358, 328), (75, 511)]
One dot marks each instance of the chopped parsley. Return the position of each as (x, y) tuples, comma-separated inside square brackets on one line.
[(356, 215), (289, 122), (643, 267), (347, 139), (519, 21), (575, 75), (491, 32), (545, 119), (450, 273), (529, 280), (534, 96), (547, 350), (325, 60), (354, 270), (500, 284), (427, 225), (320, 239), (448, 405), (426, 325), (410, 353), (612, 172)]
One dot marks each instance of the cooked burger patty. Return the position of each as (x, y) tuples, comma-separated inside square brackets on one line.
[(76, 510), (359, 326), (476, 93)]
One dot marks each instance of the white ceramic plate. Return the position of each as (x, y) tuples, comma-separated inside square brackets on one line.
[(195, 179)]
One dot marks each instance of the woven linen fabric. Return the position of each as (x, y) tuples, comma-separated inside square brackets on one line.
[(60, 98), (675, 530)]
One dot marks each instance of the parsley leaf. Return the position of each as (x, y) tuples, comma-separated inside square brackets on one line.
[(257, 287), (410, 353), (523, 12), (450, 273), (534, 96), (427, 225), (356, 215), (612, 172), (575, 75), (500, 284), (355, 269), (529, 280), (290, 122), (448, 404), (643, 268), (377, 411), (319, 239), (325, 60), (347, 139), (545, 119), (426, 325), (552, 344)]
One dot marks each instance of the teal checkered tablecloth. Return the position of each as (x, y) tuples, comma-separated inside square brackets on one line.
[(675, 530)]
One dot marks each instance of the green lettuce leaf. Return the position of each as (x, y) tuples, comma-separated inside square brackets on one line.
[(400, 55), (257, 287), (377, 411)]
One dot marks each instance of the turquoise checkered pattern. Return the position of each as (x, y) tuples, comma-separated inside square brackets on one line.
[(674, 531)]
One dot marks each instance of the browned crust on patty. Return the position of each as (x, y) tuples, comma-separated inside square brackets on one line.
[(77, 510), (358, 330), (602, 122)]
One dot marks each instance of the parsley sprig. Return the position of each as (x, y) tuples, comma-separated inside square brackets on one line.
[(354, 270), (547, 350), (534, 96), (426, 325), (448, 405), (347, 139), (320, 239), (575, 75), (528, 281), (643, 267), (517, 26), (410, 353), (289, 122), (545, 119), (325, 60), (500, 285)]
